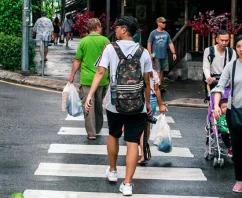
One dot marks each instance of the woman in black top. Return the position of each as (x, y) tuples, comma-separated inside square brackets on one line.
[(56, 25)]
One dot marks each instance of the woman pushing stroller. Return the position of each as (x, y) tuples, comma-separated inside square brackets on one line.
[(233, 73)]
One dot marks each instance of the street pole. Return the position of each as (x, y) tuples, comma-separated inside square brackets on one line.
[(25, 36), (107, 17), (122, 7), (233, 20)]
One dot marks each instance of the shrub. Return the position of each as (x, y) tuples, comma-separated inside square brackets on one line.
[(11, 52), (11, 17)]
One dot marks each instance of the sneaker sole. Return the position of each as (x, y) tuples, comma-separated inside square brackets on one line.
[(112, 179), (126, 193)]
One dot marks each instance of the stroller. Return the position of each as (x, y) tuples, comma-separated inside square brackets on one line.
[(214, 144)]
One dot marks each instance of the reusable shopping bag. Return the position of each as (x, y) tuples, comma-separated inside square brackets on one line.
[(65, 96), (73, 102)]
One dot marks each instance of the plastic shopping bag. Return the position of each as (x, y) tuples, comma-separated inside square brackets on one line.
[(65, 96), (164, 137), (73, 102), (154, 129)]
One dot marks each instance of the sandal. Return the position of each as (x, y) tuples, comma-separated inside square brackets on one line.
[(142, 162), (91, 137)]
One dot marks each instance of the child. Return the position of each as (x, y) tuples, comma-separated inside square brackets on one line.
[(155, 96), (223, 127)]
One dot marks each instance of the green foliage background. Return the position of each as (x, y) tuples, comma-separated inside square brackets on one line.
[(11, 17), (11, 50)]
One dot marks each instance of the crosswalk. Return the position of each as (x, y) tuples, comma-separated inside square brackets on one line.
[(72, 170)]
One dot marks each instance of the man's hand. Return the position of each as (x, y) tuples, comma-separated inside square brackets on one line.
[(88, 104), (71, 78), (210, 80), (174, 57), (162, 109), (217, 112), (149, 110)]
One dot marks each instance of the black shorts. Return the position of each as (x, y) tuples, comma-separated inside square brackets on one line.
[(133, 125)]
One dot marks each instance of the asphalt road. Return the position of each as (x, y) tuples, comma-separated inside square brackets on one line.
[(30, 122)]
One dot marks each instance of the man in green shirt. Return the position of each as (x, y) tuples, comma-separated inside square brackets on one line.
[(88, 51)]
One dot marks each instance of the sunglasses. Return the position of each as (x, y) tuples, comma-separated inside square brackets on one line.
[(163, 22)]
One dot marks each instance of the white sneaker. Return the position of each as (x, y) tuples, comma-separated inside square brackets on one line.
[(126, 189), (112, 175)]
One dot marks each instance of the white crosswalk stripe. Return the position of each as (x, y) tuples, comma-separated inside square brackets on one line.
[(98, 171), (69, 194), (85, 170), (102, 150), (104, 132), (81, 118)]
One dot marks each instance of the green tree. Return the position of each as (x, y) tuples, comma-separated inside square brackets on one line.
[(11, 17)]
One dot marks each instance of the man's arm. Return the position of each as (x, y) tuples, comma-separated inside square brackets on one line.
[(206, 64), (95, 83), (75, 66), (147, 92), (162, 108), (149, 48), (173, 51)]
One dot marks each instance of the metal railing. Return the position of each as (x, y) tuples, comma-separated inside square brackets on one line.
[(182, 42)]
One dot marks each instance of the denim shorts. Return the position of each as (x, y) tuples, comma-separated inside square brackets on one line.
[(153, 103)]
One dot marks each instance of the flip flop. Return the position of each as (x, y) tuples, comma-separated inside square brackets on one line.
[(142, 162)]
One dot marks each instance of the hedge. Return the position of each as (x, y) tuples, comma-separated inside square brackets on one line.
[(11, 52), (11, 17)]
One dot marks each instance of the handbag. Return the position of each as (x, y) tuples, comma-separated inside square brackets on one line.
[(236, 113)]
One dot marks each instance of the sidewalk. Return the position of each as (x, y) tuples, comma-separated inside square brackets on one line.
[(58, 68)]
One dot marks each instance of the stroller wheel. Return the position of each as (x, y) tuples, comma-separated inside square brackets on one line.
[(206, 154), (215, 162), (221, 162)]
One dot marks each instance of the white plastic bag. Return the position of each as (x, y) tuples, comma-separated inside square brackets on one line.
[(164, 137), (73, 102), (161, 134), (154, 129), (65, 96)]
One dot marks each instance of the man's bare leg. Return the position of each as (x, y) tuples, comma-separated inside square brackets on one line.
[(131, 161), (113, 149)]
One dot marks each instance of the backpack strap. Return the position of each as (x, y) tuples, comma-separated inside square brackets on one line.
[(211, 54), (138, 52), (230, 51), (118, 51), (233, 75)]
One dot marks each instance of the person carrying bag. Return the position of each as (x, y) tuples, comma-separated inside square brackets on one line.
[(233, 73)]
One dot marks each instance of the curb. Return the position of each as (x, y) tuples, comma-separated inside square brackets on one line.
[(187, 102), (34, 80), (60, 84)]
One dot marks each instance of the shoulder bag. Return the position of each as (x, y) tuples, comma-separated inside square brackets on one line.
[(236, 113)]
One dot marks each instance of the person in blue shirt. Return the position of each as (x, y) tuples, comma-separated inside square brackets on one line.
[(158, 41)]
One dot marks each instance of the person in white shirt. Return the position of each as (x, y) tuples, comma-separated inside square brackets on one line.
[(221, 57), (134, 124), (155, 96), (44, 32)]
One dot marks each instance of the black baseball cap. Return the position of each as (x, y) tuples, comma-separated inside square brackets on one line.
[(43, 13), (130, 22)]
